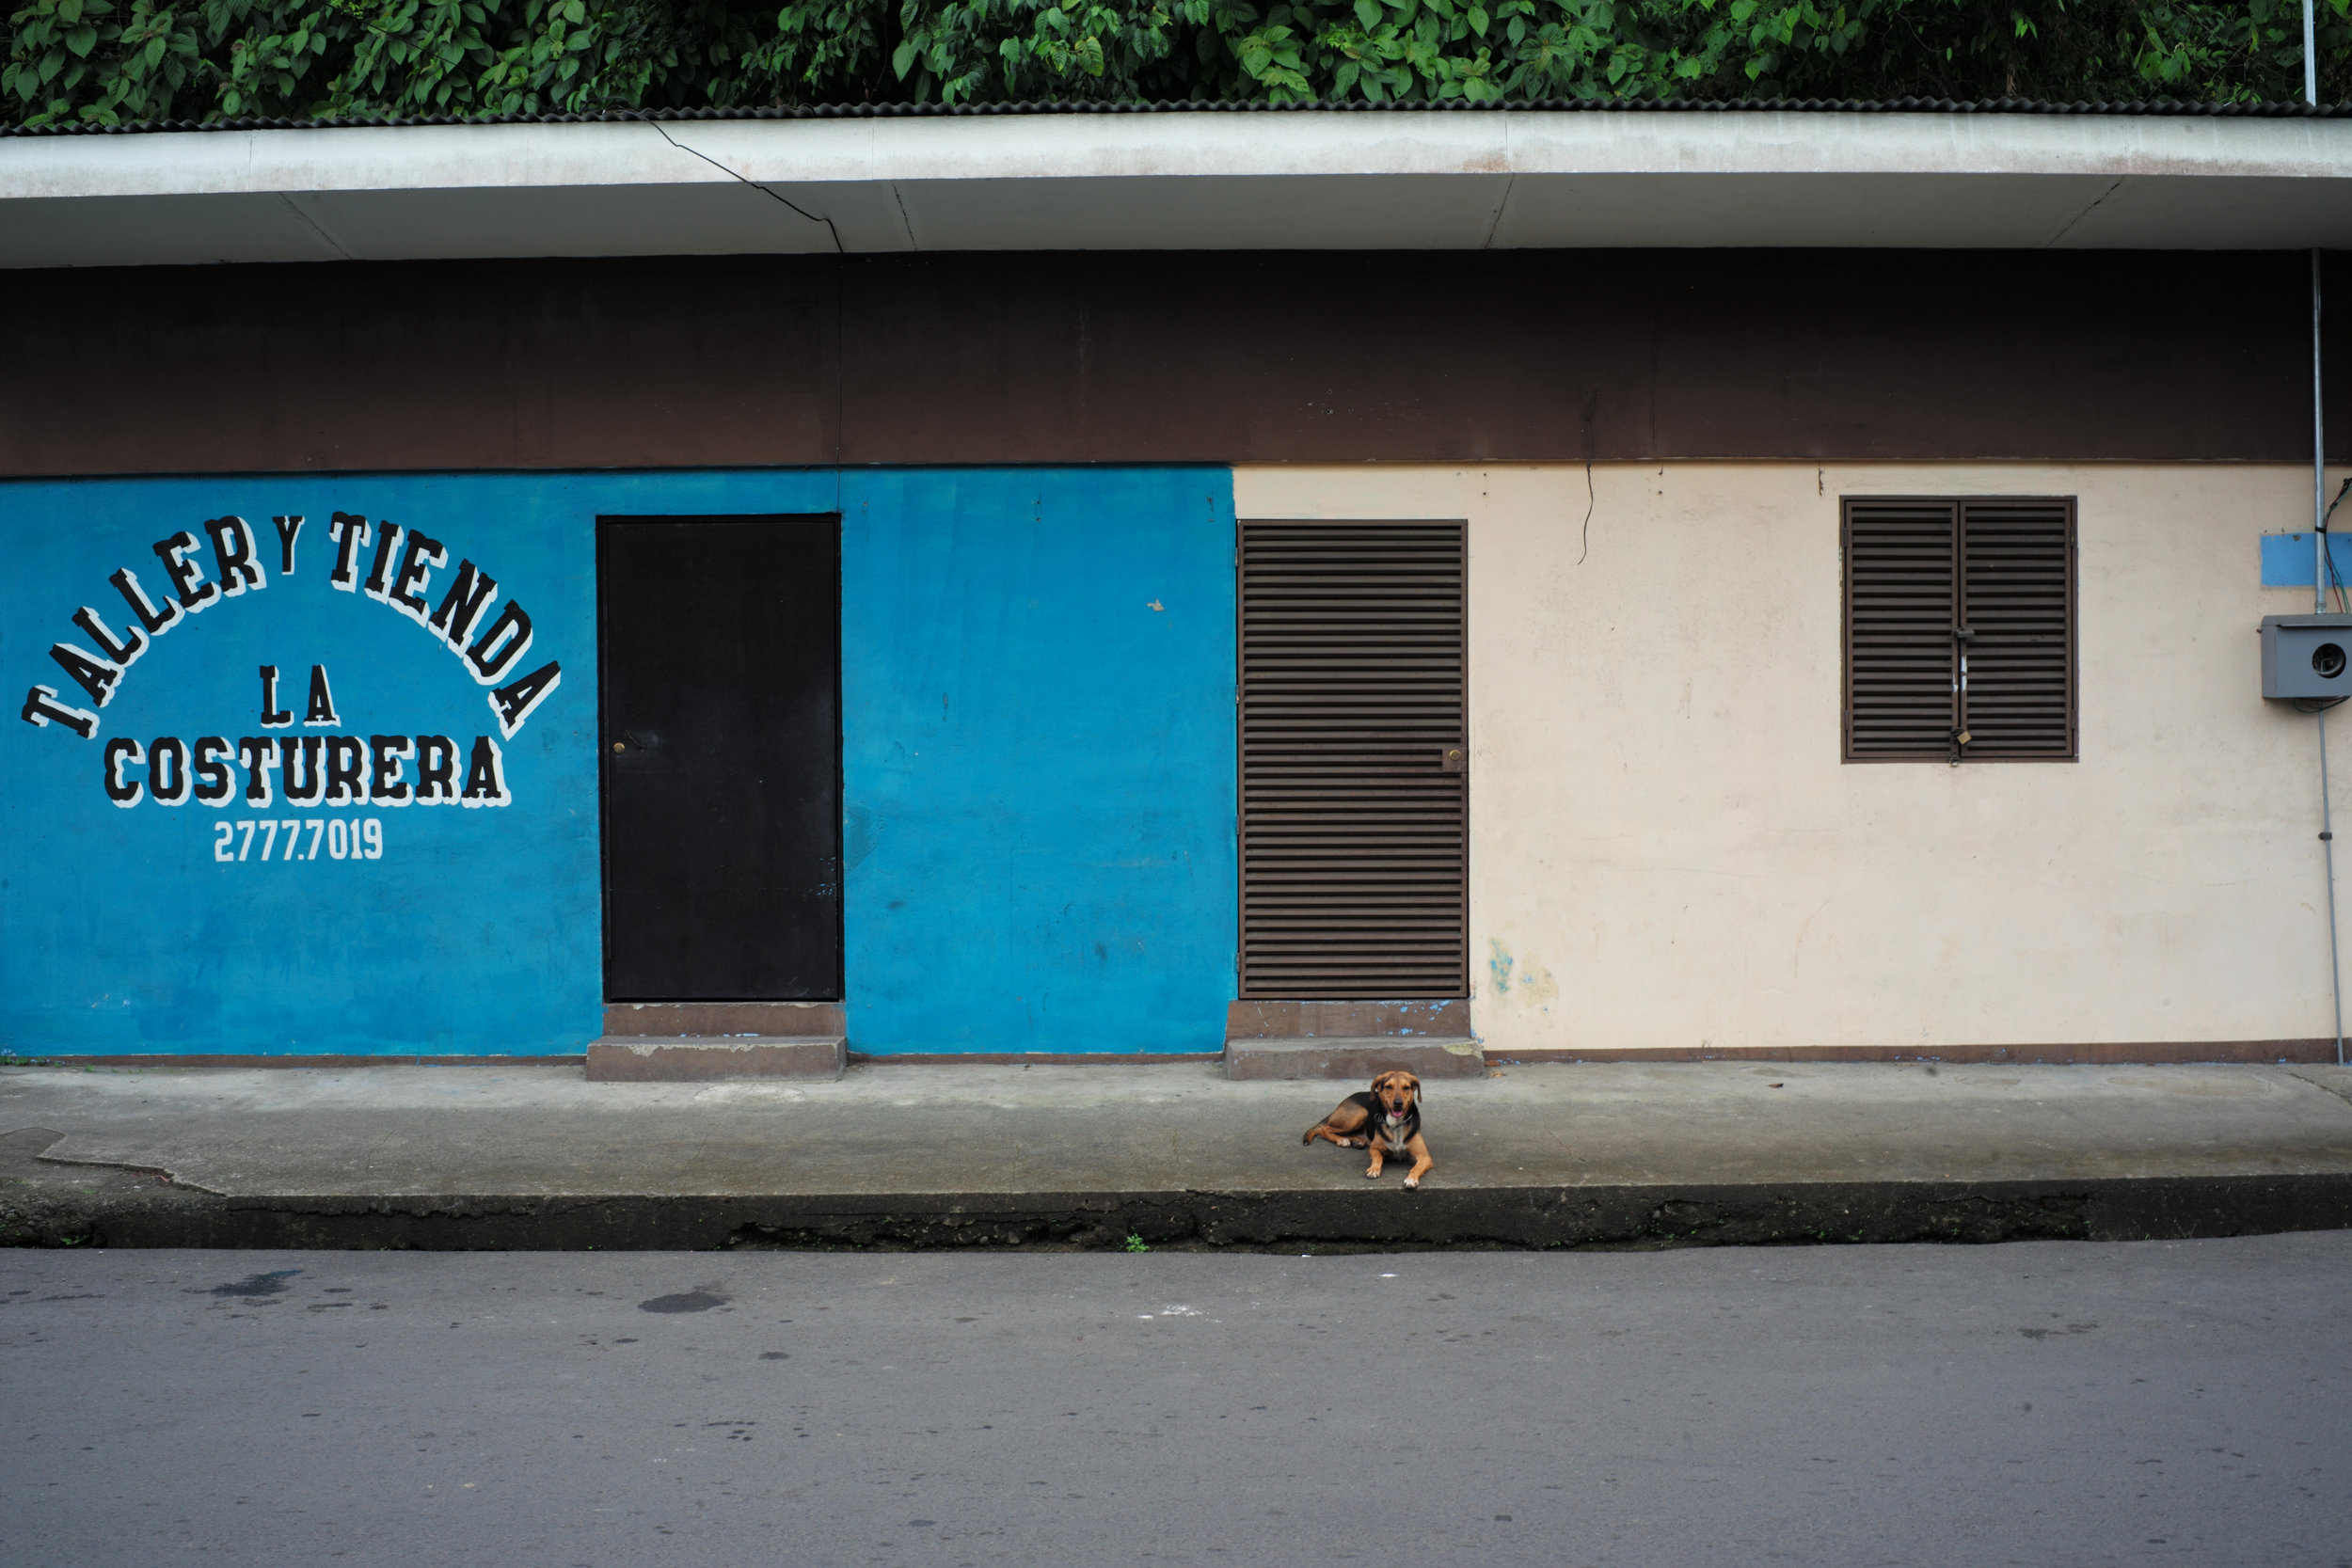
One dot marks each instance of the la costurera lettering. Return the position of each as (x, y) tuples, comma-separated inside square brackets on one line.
[(489, 645), (308, 771)]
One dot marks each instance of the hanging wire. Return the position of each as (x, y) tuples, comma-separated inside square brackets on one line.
[(2327, 555)]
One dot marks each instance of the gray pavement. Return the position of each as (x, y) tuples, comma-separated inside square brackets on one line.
[(2035, 1403), (923, 1155)]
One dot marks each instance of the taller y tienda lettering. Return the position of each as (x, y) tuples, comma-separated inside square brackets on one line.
[(490, 646)]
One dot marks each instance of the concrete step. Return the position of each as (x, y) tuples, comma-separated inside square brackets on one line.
[(778, 1019), (693, 1059), (1355, 1057)]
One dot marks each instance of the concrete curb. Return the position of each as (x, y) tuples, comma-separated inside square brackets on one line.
[(1610, 1217)]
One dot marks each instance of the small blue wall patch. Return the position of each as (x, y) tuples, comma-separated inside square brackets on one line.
[(2290, 559)]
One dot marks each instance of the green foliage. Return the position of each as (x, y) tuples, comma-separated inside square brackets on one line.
[(116, 61), (95, 62)]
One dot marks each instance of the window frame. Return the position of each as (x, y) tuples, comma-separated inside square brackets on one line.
[(1955, 756)]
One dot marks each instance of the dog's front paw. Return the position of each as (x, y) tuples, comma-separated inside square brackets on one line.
[(1371, 1176), (1412, 1180)]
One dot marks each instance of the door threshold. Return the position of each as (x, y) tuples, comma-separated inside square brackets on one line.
[(625, 1059), (730, 1020)]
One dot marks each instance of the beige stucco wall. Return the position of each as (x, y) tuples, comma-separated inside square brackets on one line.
[(1668, 852)]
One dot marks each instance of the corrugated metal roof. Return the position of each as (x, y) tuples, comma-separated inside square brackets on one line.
[(2157, 109)]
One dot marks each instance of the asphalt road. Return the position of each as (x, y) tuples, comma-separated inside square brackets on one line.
[(2053, 1402)]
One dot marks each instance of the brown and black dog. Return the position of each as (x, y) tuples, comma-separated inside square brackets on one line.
[(1385, 1118)]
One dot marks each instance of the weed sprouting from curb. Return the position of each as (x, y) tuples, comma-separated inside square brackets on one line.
[(1136, 1243)]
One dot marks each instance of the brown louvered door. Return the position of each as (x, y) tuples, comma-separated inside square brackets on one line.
[(1355, 804), (1960, 629)]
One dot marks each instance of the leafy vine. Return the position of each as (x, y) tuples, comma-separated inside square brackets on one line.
[(108, 62)]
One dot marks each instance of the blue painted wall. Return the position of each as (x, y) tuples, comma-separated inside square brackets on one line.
[(1038, 768), (1038, 684)]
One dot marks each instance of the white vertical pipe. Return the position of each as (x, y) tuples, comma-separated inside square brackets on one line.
[(2311, 55), (2319, 546), (2328, 843)]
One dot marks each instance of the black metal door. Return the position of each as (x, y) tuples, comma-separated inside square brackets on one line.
[(721, 650)]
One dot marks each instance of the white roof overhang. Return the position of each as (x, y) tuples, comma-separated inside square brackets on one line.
[(1177, 181)]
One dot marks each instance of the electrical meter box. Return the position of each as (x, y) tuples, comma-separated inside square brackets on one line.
[(2307, 656)]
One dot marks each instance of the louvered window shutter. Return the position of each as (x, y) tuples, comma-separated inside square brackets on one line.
[(1960, 629), (1902, 666), (2017, 628), (1353, 795)]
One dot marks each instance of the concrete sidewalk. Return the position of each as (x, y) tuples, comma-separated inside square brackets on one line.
[(1618, 1155)]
